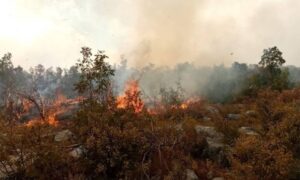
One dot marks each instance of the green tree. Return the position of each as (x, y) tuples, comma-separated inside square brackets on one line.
[(68, 79), (95, 78), (272, 59), (6, 84), (6, 72), (271, 74)]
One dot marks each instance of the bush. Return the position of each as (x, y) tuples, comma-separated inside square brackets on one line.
[(254, 158), (30, 152)]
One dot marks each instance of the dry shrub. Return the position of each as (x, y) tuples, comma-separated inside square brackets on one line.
[(288, 131), (195, 109), (206, 169), (174, 113), (288, 96), (173, 147), (116, 144), (228, 128), (31, 152), (254, 158)]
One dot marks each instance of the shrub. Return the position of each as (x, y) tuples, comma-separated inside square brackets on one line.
[(254, 158)]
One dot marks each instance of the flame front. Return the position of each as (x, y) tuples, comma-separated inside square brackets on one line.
[(56, 108), (187, 103), (184, 106), (51, 120), (131, 98)]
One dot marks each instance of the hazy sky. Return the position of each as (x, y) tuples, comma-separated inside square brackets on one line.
[(163, 32)]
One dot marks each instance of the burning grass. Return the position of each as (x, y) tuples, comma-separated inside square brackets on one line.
[(131, 97)]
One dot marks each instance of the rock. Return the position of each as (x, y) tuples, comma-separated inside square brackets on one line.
[(209, 132), (191, 175), (218, 178), (206, 118), (215, 144), (248, 131), (179, 127), (77, 152), (212, 110), (210, 174), (233, 116), (63, 135), (250, 113)]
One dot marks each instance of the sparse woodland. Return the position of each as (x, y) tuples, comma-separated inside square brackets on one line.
[(97, 121)]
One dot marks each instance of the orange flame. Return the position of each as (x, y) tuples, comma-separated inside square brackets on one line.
[(184, 106), (53, 111), (51, 120), (131, 98), (187, 103)]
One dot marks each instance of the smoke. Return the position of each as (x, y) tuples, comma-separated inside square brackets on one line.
[(166, 33), (174, 31), (212, 32), (164, 30), (207, 34)]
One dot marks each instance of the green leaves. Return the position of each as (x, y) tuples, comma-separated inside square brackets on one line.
[(271, 74), (272, 58), (95, 78)]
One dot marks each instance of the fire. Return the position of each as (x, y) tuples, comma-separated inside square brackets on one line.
[(160, 108), (52, 112), (189, 102), (51, 120), (60, 98), (184, 106), (32, 123), (131, 98)]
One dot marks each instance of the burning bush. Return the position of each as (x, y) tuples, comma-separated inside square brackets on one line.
[(131, 99)]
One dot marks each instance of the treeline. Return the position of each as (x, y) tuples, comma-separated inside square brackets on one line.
[(221, 83), (216, 84)]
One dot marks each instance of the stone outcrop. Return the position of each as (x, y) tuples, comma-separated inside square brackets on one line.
[(63, 135), (215, 147), (250, 113), (191, 175), (248, 131), (233, 116), (212, 110), (77, 152), (210, 132)]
